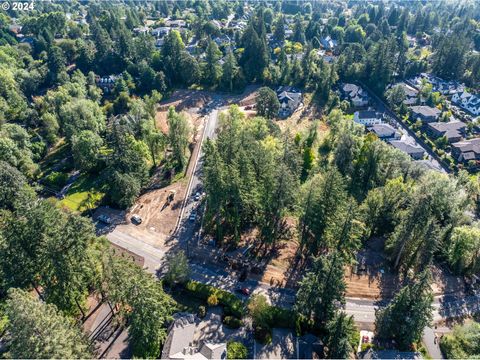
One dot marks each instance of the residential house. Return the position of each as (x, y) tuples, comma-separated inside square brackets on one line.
[(141, 30), (466, 150), (106, 83), (385, 132), (328, 43), (467, 101), (415, 151), (454, 131), (160, 31), (355, 94), (289, 98), (180, 342), (426, 114), (222, 40), (175, 23), (367, 117)]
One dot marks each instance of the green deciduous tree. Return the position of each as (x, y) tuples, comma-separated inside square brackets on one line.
[(86, 149), (267, 103), (464, 249)]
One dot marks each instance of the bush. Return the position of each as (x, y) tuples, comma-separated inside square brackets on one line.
[(232, 322), (56, 179), (263, 334), (231, 303), (236, 350), (366, 346), (212, 300), (202, 311)]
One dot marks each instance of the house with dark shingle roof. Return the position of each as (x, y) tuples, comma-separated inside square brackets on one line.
[(426, 114), (454, 131), (466, 150), (416, 152)]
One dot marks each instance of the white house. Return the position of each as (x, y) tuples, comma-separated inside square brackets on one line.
[(467, 101), (367, 117)]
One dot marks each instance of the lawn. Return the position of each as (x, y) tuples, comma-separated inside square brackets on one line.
[(85, 193)]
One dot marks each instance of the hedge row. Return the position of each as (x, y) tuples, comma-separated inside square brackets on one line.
[(231, 303)]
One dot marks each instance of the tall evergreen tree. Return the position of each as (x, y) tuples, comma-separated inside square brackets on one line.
[(39, 331), (410, 311)]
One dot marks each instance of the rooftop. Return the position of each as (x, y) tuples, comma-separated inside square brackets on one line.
[(426, 110)]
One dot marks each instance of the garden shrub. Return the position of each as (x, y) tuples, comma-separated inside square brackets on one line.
[(232, 322), (231, 303), (236, 350)]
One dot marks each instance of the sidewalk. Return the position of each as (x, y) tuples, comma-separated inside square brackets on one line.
[(431, 344)]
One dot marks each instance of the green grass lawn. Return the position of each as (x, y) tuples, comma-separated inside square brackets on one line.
[(86, 193)]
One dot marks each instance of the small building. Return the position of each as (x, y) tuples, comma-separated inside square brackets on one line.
[(367, 117), (416, 152), (290, 99), (466, 150), (180, 342), (454, 131), (426, 114), (385, 132)]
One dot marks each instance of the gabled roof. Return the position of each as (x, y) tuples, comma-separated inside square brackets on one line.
[(406, 147), (367, 114), (383, 130), (426, 110)]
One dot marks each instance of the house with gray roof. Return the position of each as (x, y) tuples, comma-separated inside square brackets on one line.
[(416, 152), (180, 342), (426, 114), (466, 150), (385, 132), (454, 131), (289, 98)]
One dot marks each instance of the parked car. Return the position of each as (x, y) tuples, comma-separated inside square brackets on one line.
[(197, 196), (243, 291), (136, 219), (365, 339), (105, 219), (193, 216)]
